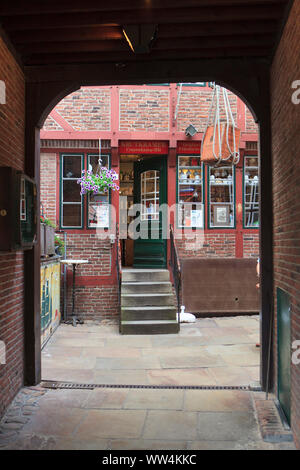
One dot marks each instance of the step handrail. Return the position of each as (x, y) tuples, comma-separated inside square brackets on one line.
[(176, 268), (119, 268)]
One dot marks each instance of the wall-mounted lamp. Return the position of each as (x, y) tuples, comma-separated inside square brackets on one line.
[(140, 37), (190, 131)]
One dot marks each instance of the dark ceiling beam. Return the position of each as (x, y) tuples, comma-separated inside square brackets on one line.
[(161, 44), (93, 33), (121, 60), (13, 8), (163, 16), (97, 33)]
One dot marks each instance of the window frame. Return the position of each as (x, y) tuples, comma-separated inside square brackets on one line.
[(250, 227), (61, 203), (202, 167), (221, 227)]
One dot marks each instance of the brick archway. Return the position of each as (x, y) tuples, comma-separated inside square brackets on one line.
[(250, 85)]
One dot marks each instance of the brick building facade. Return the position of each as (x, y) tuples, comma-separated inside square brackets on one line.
[(127, 118)]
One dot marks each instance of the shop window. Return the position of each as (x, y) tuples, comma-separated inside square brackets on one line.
[(190, 192), (71, 200), (98, 204), (221, 197), (251, 192)]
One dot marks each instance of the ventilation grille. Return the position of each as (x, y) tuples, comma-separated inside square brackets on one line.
[(251, 145), (73, 144)]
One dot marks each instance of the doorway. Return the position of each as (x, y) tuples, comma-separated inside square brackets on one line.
[(143, 180)]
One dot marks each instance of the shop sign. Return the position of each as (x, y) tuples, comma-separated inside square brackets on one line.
[(137, 147)]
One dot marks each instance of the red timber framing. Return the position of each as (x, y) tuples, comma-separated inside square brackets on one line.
[(171, 142)]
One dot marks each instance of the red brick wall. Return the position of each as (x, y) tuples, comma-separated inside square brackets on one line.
[(251, 245), (48, 185), (94, 303), (210, 245), (285, 147), (95, 298), (144, 110), (194, 106), (11, 264), (51, 125), (86, 109), (250, 124)]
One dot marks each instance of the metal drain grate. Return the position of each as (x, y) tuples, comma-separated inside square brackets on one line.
[(272, 427), (53, 384)]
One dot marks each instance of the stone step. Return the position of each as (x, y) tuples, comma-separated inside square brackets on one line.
[(145, 275), (148, 313), (141, 300), (147, 287), (149, 327)]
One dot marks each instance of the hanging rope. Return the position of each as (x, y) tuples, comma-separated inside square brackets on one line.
[(227, 152), (99, 166)]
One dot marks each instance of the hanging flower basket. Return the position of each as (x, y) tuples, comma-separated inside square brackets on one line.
[(100, 182)]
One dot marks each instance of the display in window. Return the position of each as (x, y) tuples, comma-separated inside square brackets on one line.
[(221, 197), (98, 203), (98, 215), (251, 192), (190, 210)]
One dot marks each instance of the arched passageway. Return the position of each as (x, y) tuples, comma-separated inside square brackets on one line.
[(46, 95)]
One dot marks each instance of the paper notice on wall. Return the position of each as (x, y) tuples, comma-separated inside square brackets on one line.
[(2, 353), (196, 218)]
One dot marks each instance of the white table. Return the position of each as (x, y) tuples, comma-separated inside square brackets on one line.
[(74, 263)]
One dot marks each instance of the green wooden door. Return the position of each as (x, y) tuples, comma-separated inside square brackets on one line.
[(150, 192), (284, 352)]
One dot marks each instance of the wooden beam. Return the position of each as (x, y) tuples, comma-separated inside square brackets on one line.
[(99, 33), (120, 59), (158, 16), (33, 7), (93, 33), (178, 44)]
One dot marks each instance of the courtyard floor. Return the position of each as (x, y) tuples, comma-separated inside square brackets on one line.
[(211, 352)]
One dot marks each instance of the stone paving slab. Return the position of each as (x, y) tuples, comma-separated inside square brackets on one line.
[(132, 419), (217, 400), (111, 424), (174, 425)]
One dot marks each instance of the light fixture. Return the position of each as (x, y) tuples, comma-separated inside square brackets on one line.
[(190, 131), (140, 37)]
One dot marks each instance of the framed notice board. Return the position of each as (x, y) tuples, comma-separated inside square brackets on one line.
[(18, 210)]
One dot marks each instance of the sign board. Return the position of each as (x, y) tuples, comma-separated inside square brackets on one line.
[(136, 147), (189, 148)]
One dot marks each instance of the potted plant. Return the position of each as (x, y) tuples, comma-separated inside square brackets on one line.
[(47, 236), (59, 245)]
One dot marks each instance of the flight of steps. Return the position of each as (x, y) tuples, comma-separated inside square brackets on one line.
[(147, 303)]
